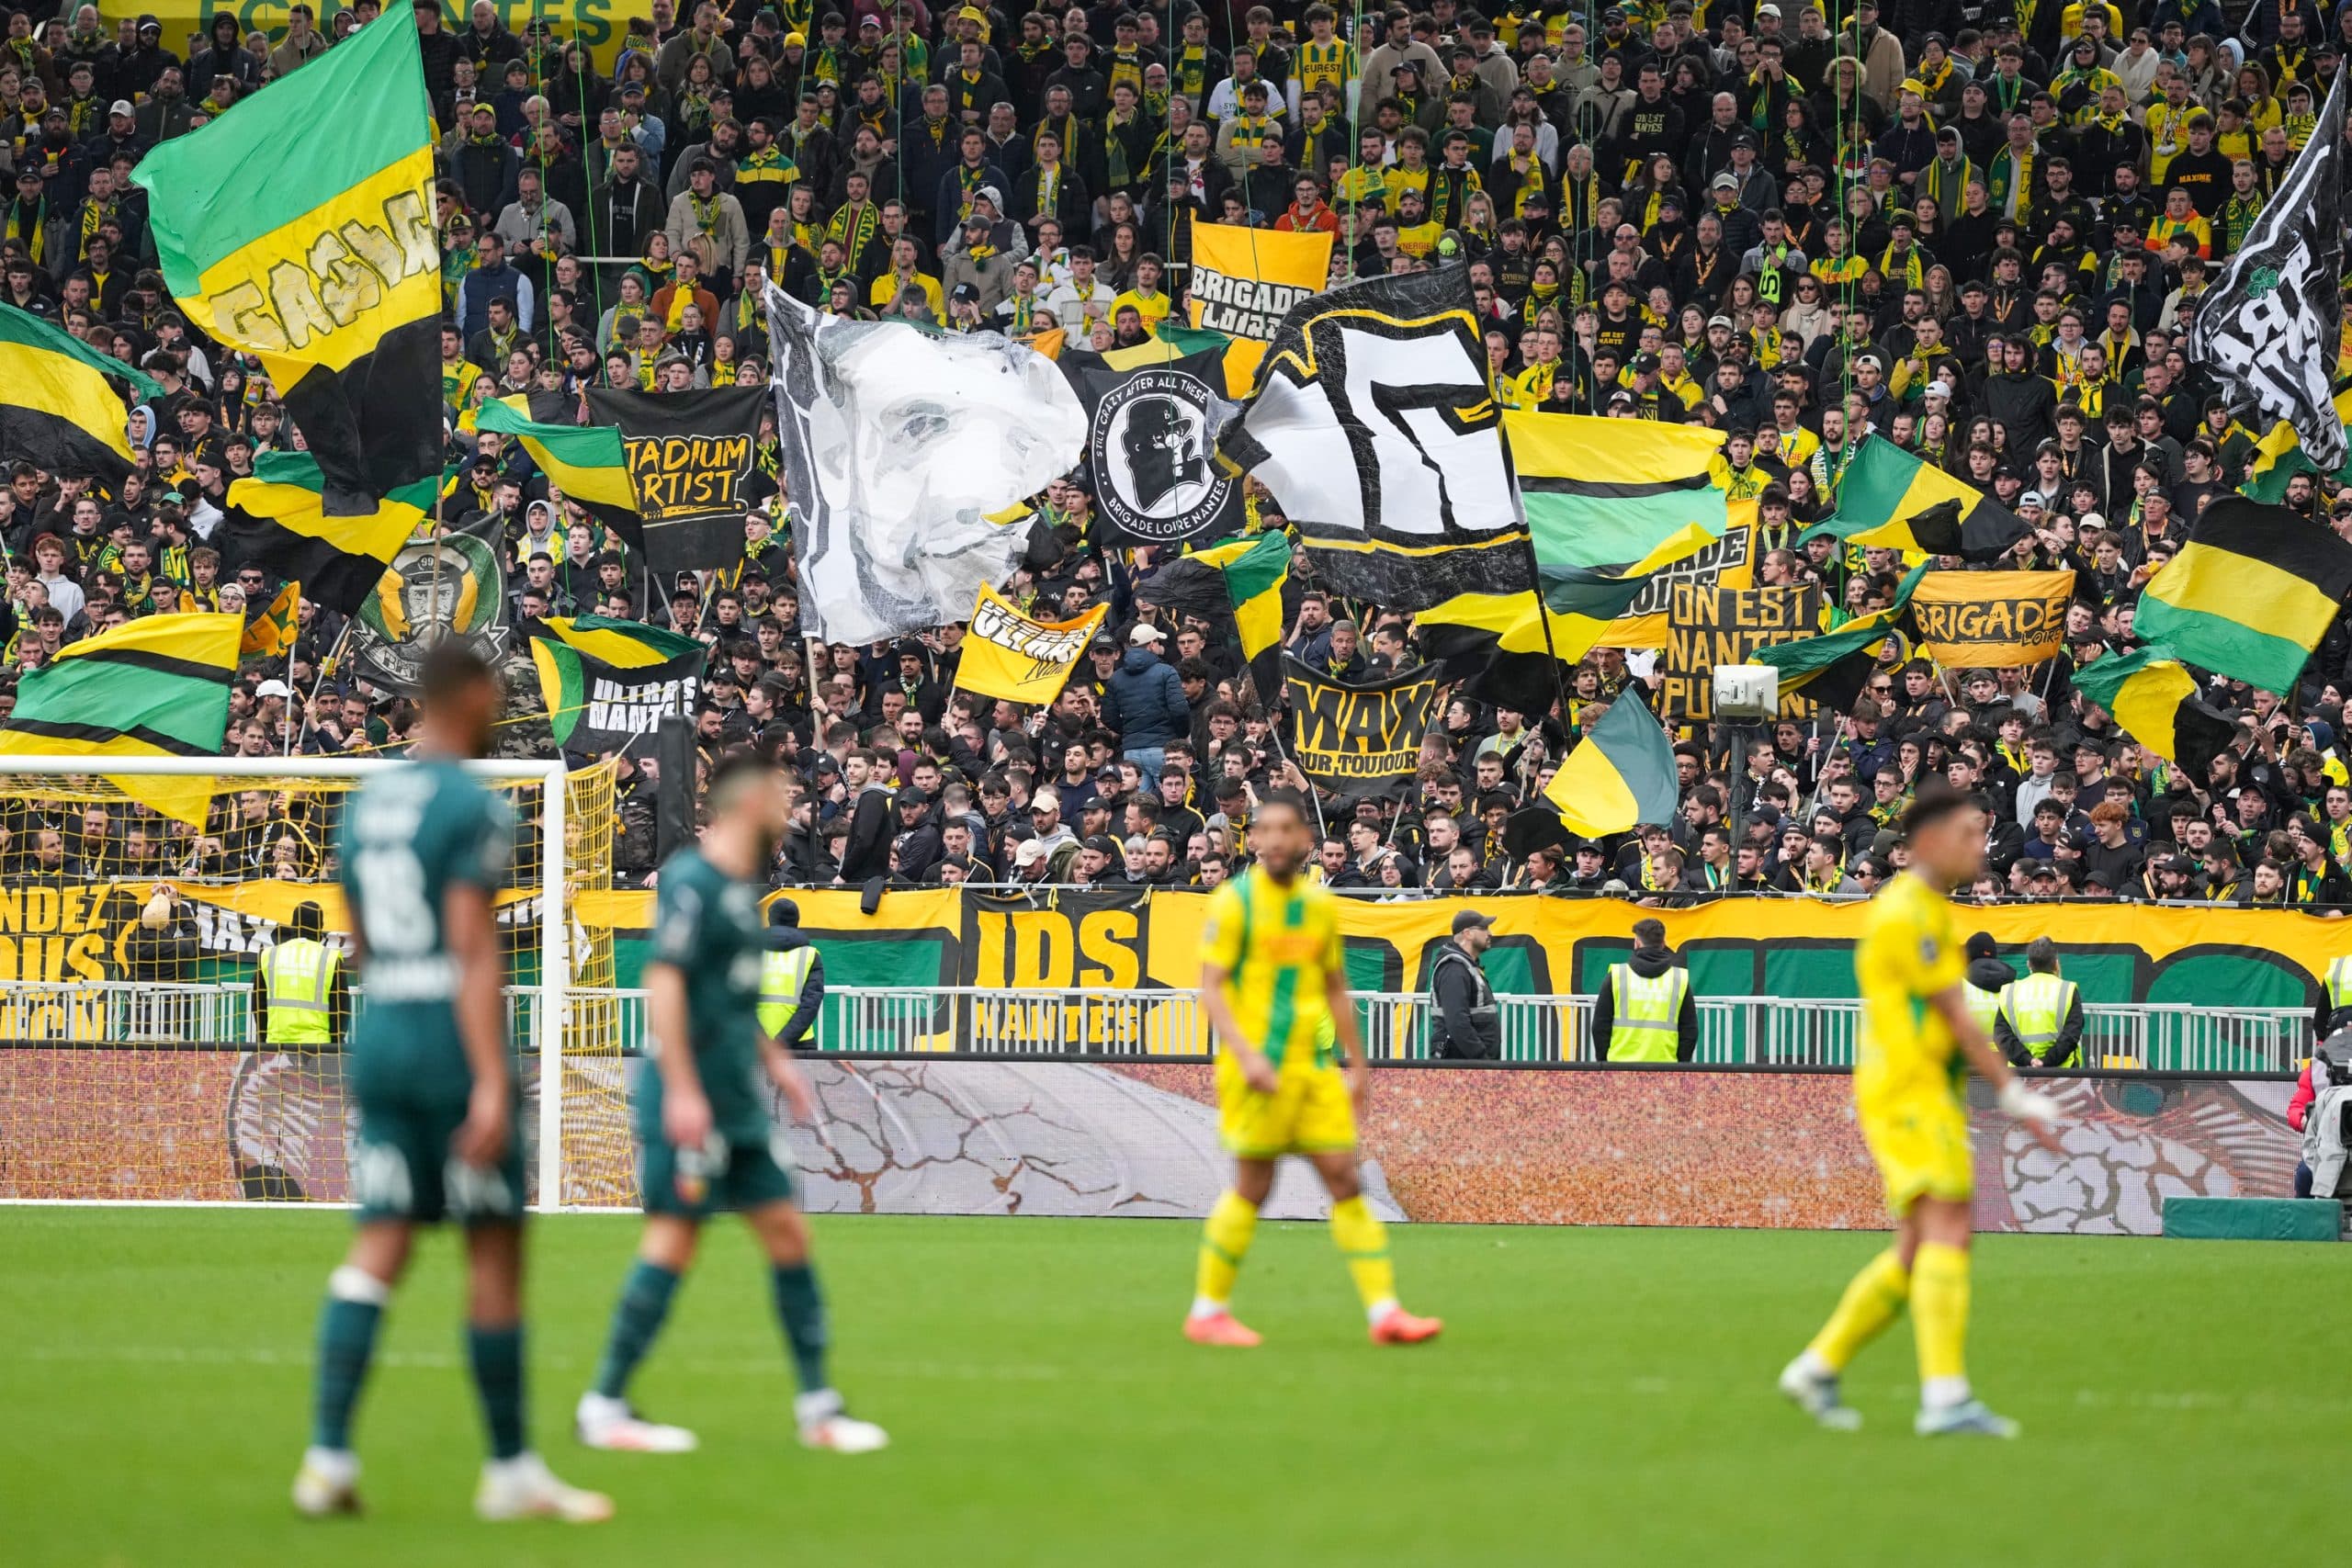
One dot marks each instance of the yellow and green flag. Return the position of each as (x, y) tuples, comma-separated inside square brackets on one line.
[(1619, 776), (279, 516), (587, 463), (156, 687), (2250, 595), (2280, 456), (299, 227), (60, 415), (2155, 700), (271, 633), (1889, 498), (609, 683), (1245, 576)]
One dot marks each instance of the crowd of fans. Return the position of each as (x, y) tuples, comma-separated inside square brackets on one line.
[(1980, 242)]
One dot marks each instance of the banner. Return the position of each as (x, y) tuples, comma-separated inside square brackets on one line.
[(1151, 442), (1728, 562), (1725, 625), (1006, 654), (1361, 740), (434, 590), (691, 461), (1375, 429), (1991, 619), (608, 682), (1243, 281), (596, 23)]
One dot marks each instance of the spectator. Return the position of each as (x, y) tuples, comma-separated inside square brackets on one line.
[(1464, 1024)]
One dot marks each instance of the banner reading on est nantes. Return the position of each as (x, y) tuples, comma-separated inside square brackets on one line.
[(1707, 627)]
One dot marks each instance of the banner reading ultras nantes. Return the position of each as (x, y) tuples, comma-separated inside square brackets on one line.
[(1008, 655), (1360, 740), (1243, 281), (299, 227)]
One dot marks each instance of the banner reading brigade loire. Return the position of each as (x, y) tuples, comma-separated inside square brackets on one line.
[(691, 461), (1991, 619), (298, 227), (1244, 280), (1007, 655), (1361, 740), (1707, 627)]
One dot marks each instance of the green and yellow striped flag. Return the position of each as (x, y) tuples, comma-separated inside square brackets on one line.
[(60, 415), (606, 682), (271, 633), (1245, 575), (299, 227), (2279, 456), (1890, 500), (2251, 593), (278, 516), (1620, 775), (586, 462), (2152, 696), (157, 687), (1832, 669)]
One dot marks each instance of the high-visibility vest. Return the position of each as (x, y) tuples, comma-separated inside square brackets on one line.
[(1645, 1013), (2339, 985), (298, 976), (1983, 1006), (2036, 1006), (781, 975)]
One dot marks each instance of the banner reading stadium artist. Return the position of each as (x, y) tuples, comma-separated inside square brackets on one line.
[(1359, 741), (1244, 280), (1991, 619), (690, 460), (1707, 627), (1008, 655)]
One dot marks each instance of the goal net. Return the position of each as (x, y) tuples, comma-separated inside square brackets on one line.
[(136, 909)]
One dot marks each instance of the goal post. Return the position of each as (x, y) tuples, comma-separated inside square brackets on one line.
[(92, 838)]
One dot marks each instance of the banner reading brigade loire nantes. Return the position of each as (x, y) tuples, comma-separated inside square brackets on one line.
[(1361, 740), (298, 227), (1991, 619), (690, 458), (1007, 655), (1244, 280)]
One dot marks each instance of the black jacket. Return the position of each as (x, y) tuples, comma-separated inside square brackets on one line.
[(1648, 963), (1466, 1026)]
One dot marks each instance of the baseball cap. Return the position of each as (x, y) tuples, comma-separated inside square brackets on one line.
[(1031, 850), (273, 688), (1726, 181), (1146, 634), (1470, 920), (1644, 363), (964, 293), (120, 106)]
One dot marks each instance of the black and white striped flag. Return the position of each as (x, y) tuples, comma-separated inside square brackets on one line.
[(2269, 324)]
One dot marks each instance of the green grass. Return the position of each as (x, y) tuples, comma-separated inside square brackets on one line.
[(1600, 1396)]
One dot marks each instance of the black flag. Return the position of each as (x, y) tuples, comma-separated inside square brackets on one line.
[(692, 459), (1151, 443), (2269, 324), (1362, 741)]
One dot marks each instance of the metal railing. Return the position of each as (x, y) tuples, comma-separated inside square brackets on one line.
[(1733, 1031)]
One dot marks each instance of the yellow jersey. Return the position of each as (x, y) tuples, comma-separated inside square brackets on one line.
[(1907, 955), (1279, 946), (1317, 63)]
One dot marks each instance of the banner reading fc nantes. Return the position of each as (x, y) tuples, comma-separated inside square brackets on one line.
[(299, 227), (1361, 740), (1991, 620), (1244, 280), (691, 461), (1008, 655)]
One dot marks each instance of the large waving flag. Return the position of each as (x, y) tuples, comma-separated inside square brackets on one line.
[(60, 415), (1245, 576), (1890, 498), (1621, 775), (2152, 695), (2280, 456), (608, 682), (278, 518), (1832, 669), (587, 462), (300, 226), (157, 687), (2250, 595)]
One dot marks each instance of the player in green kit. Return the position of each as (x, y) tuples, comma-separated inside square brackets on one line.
[(423, 851), (709, 1145)]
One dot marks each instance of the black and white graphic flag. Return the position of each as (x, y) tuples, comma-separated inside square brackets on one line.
[(1375, 429), (2270, 325), (1151, 443)]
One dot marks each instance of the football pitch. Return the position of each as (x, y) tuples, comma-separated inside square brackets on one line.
[(1599, 1396)]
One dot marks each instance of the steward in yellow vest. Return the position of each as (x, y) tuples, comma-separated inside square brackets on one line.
[(2335, 999), (2041, 1021), (1986, 978), (792, 981), (1645, 1012), (301, 994)]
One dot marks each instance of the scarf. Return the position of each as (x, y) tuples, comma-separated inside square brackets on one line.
[(29, 228), (706, 211), (854, 225), (1024, 314), (768, 165), (1191, 76), (93, 214)]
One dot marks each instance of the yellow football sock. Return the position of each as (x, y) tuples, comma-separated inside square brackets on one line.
[(1872, 1300), (1363, 1242), (1225, 1241), (1939, 1310)]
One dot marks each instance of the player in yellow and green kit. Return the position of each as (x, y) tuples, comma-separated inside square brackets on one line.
[(1276, 993), (1917, 1041)]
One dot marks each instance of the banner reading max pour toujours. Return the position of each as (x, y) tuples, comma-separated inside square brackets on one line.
[(1007, 655), (690, 459), (1991, 619), (1244, 280), (1360, 740)]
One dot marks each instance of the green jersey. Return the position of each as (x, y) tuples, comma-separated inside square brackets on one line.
[(408, 836), (706, 925)]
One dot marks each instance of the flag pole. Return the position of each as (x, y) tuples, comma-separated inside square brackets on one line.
[(326, 665)]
